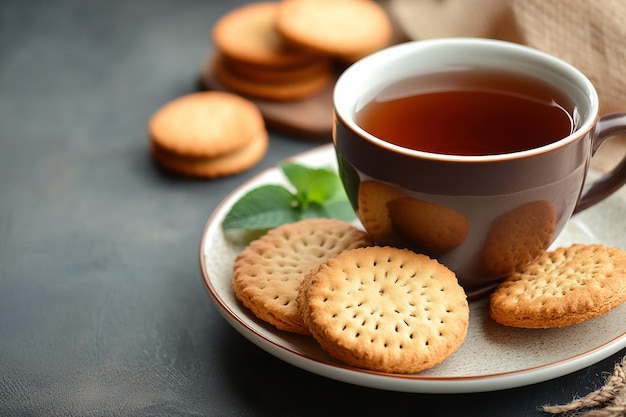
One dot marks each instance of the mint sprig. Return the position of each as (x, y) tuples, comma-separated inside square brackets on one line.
[(312, 192)]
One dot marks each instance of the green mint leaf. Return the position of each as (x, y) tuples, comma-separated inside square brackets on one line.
[(261, 208), (313, 185), (318, 193), (339, 209)]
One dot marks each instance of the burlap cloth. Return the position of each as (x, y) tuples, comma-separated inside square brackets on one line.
[(589, 34)]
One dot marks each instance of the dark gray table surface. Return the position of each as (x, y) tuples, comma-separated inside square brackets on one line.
[(102, 308)]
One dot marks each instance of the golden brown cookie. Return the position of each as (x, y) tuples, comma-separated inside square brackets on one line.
[(268, 272), (432, 227), (219, 166), (280, 90), (518, 237), (271, 75), (385, 309), (562, 287), (247, 34), (372, 200), (346, 28), (205, 124)]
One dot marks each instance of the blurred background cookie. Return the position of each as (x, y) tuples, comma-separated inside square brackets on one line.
[(347, 29), (207, 134), (213, 167), (268, 74), (284, 85), (254, 59), (291, 81), (247, 34)]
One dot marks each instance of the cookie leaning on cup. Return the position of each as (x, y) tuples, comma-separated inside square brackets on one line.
[(268, 272), (373, 198), (518, 236), (385, 309), (562, 287)]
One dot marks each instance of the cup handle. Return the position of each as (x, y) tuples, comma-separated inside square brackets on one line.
[(608, 125)]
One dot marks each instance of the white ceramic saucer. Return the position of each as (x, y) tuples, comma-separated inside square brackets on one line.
[(493, 357)]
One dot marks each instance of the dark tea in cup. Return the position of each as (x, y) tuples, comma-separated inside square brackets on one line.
[(469, 111)]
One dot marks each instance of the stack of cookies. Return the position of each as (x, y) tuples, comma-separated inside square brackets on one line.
[(254, 60), (278, 51), (286, 50), (208, 134)]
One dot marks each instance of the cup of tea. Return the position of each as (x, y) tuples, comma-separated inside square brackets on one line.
[(472, 151)]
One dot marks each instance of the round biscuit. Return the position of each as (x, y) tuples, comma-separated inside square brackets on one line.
[(206, 124), (385, 309), (280, 90), (258, 73), (348, 28), (562, 287), (247, 34), (231, 163), (268, 272)]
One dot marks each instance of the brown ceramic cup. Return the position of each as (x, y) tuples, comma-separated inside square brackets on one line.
[(483, 216)]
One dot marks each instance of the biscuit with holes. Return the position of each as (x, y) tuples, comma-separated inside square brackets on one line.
[(385, 309), (517, 237), (372, 211), (432, 227), (349, 28), (562, 287), (268, 272)]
